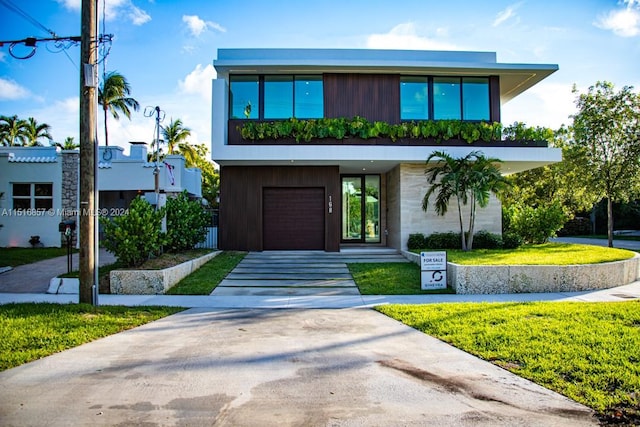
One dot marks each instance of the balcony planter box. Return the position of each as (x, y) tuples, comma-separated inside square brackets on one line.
[(153, 282)]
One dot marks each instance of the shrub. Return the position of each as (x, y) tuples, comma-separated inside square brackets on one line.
[(186, 223), (448, 240), (416, 241), (578, 226), (135, 236), (511, 240), (485, 240), (536, 225)]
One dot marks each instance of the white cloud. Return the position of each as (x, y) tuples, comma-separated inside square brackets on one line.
[(506, 14), (198, 81), (2, 56), (545, 104), (197, 26), (10, 90), (115, 9), (405, 36), (623, 22)]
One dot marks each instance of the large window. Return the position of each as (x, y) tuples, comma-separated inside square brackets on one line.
[(414, 98), (276, 97), (38, 196), (243, 97), (309, 97), (444, 98), (475, 98)]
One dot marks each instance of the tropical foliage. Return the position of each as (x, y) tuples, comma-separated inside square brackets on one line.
[(607, 139), (359, 127), (470, 180), (68, 144), (136, 236), (19, 132), (186, 222), (114, 96)]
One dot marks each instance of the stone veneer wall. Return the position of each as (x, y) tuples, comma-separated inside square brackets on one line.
[(70, 193), (413, 186), (511, 279)]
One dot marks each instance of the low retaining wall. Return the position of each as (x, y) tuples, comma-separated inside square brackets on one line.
[(152, 282), (508, 279)]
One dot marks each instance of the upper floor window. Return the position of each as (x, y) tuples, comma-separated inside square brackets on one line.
[(414, 98), (276, 97), (444, 98), (38, 196), (243, 97)]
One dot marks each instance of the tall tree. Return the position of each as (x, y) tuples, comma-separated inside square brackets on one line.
[(114, 96), (35, 131), (12, 131), (68, 144), (607, 136), (176, 136), (470, 179)]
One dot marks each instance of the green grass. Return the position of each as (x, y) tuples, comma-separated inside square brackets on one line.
[(32, 331), (14, 257), (545, 254), (590, 352), (393, 278), (204, 280)]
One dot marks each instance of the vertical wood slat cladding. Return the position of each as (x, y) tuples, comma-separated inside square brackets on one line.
[(241, 196), (293, 218), (494, 98), (372, 96)]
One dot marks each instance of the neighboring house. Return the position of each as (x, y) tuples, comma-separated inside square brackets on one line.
[(330, 193), (41, 188)]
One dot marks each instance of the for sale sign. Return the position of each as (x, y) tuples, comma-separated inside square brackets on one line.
[(433, 270)]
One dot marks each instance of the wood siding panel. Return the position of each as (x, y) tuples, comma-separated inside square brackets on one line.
[(241, 196), (494, 98), (372, 96)]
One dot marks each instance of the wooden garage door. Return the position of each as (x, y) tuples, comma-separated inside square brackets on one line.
[(293, 218)]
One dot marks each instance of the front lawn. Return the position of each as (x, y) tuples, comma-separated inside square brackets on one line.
[(545, 254), (32, 331), (204, 280), (14, 257), (587, 351), (390, 278)]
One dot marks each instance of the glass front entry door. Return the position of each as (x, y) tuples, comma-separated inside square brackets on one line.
[(361, 209)]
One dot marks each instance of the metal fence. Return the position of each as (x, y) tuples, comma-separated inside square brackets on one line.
[(211, 239)]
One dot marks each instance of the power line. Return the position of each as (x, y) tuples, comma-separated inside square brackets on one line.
[(12, 7)]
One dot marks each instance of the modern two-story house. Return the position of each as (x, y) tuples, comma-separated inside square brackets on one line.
[(327, 186)]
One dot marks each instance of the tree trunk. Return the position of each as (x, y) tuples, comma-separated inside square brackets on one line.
[(106, 135), (610, 221), (464, 242), (472, 221)]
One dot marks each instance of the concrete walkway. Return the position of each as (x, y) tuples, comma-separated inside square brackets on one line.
[(35, 277), (300, 273), (205, 367)]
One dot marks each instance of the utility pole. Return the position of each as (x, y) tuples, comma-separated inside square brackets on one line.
[(88, 136)]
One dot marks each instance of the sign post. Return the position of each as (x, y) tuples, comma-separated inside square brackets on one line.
[(433, 270)]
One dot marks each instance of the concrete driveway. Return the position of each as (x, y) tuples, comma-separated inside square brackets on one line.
[(252, 367)]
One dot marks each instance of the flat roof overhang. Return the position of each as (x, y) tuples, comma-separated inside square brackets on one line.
[(378, 159), (514, 78)]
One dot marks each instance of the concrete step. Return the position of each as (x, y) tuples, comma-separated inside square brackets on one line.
[(286, 291), (319, 283)]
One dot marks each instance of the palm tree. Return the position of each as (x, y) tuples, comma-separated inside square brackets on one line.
[(35, 131), (175, 135), (68, 144), (473, 178), (113, 95), (12, 131)]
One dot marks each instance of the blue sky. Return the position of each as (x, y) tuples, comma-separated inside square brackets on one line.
[(165, 48)]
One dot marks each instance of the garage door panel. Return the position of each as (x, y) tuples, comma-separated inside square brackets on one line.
[(293, 218)]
